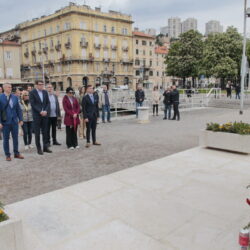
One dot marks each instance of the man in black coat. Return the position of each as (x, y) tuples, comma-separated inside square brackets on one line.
[(175, 102), (91, 114), (40, 104), (139, 98), (167, 103)]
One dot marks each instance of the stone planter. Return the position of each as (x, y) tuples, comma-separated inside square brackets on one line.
[(11, 235), (143, 114), (225, 141)]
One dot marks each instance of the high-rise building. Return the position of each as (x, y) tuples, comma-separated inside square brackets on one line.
[(174, 27), (189, 24), (164, 30), (77, 46), (213, 27), (151, 32)]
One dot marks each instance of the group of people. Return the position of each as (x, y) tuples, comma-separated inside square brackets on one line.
[(170, 99), (37, 111), (229, 88)]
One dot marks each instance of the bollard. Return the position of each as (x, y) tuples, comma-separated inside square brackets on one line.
[(244, 238)]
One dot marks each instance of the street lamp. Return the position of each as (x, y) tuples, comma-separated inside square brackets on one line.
[(244, 58)]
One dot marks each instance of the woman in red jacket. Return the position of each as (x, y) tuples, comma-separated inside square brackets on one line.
[(71, 118)]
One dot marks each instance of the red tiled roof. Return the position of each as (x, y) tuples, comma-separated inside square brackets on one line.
[(161, 50), (139, 33), (10, 43)]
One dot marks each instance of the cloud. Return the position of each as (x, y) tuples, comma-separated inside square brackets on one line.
[(145, 13)]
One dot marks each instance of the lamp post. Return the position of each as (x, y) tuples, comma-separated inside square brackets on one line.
[(244, 58)]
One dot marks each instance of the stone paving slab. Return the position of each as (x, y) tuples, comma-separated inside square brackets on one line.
[(191, 200)]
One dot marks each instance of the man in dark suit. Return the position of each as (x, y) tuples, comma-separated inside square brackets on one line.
[(40, 104), (10, 116), (175, 101), (90, 109)]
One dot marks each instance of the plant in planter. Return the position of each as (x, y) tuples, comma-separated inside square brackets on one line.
[(3, 215)]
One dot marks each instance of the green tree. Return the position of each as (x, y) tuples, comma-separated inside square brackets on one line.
[(185, 56), (222, 55)]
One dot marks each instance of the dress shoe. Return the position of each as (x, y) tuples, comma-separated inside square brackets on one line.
[(8, 158), (109, 121), (19, 156), (164, 118), (87, 145), (97, 144), (47, 150), (56, 143), (40, 152), (173, 119)]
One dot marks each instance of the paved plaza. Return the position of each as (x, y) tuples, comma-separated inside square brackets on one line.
[(124, 144)]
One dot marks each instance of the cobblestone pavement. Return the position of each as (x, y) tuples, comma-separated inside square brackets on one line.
[(125, 143)]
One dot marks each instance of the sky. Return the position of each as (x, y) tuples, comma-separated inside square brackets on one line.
[(145, 13)]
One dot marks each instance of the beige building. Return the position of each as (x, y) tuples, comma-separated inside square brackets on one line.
[(10, 61), (144, 45), (76, 46)]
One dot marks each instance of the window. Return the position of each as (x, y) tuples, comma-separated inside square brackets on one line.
[(137, 62), (84, 53), (59, 68), (96, 40), (144, 52), (150, 53), (124, 31), (97, 67), (157, 73), (96, 27), (105, 41), (97, 53), (125, 55), (9, 72), (137, 72), (137, 52), (150, 63), (45, 32), (104, 28), (144, 43), (8, 55), (67, 26), (151, 73), (137, 42), (105, 54), (113, 41), (113, 55), (150, 43), (112, 29), (83, 25), (57, 28), (51, 30), (51, 43)]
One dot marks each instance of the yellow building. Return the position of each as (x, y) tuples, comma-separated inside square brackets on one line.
[(10, 60), (76, 46)]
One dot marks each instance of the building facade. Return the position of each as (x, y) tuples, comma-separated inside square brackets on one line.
[(77, 46), (151, 31), (174, 27), (143, 45), (10, 61), (213, 27), (189, 24)]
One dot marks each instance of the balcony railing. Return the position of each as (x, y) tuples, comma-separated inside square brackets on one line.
[(68, 45), (108, 73), (33, 52), (113, 47), (106, 60), (58, 47), (125, 48), (45, 50), (97, 45), (84, 44), (26, 54)]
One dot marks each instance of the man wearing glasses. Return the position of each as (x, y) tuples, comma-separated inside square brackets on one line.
[(40, 104)]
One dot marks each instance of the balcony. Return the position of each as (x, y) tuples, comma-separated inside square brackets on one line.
[(125, 48), (97, 46), (91, 58), (45, 50), (126, 61), (58, 47), (68, 45), (26, 54), (105, 46), (113, 47), (84, 44), (25, 67), (39, 52), (106, 60), (107, 73), (33, 52)]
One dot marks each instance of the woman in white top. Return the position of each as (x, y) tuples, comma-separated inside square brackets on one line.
[(156, 96)]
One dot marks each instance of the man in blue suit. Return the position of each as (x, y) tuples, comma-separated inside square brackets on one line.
[(9, 105)]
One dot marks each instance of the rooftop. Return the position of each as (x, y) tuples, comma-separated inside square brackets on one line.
[(10, 43), (141, 34), (161, 50)]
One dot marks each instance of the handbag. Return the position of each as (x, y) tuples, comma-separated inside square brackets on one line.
[(3, 112)]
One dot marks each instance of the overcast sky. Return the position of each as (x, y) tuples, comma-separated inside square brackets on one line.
[(145, 13)]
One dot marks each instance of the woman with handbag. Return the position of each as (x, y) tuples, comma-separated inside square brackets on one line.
[(71, 118)]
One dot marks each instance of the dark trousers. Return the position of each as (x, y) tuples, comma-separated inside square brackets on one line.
[(91, 127), (176, 111), (167, 111), (52, 128), (41, 125), (155, 108), (13, 130), (105, 108), (237, 95), (71, 137), (27, 133)]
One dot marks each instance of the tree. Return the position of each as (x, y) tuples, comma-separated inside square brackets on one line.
[(222, 55), (185, 55)]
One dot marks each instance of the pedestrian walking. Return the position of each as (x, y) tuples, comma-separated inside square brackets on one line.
[(175, 101), (71, 118), (40, 104), (139, 98), (156, 96), (10, 117), (167, 104), (27, 120), (237, 91), (229, 89), (104, 103), (82, 127), (91, 114), (54, 114)]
